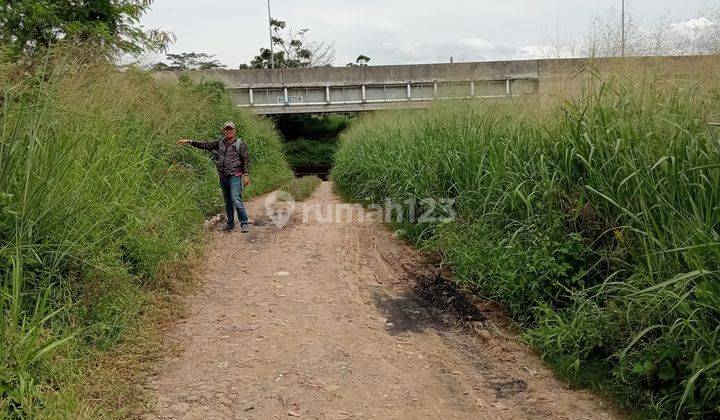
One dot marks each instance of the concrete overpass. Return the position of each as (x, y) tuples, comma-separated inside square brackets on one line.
[(346, 89)]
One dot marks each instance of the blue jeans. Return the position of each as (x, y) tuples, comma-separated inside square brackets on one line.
[(232, 193)]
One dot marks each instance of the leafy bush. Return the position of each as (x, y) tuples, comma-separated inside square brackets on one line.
[(303, 152), (597, 226), (95, 202), (312, 126), (310, 140), (300, 189)]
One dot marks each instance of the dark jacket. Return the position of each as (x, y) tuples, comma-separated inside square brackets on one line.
[(229, 160)]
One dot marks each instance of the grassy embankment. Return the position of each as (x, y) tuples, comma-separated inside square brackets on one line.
[(597, 226), (100, 218)]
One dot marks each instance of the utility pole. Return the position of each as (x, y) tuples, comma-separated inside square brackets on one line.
[(272, 52), (622, 45)]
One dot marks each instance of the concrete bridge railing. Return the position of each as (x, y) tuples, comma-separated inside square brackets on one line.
[(343, 89)]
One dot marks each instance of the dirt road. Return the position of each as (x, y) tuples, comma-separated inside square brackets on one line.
[(325, 320)]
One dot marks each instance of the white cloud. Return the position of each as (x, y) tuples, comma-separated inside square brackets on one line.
[(477, 44), (692, 26), (535, 51), (463, 49), (530, 52)]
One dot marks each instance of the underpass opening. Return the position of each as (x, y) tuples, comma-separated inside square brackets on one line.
[(310, 140)]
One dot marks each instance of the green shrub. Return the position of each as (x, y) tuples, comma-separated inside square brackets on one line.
[(597, 226), (312, 126), (304, 152), (300, 189), (310, 140), (95, 200)]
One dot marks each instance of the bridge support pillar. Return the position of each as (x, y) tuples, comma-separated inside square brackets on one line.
[(327, 94), (409, 92), (364, 97), (285, 92), (472, 89), (252, 97)]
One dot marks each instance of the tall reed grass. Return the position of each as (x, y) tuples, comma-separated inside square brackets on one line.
[(597, 225), (95, 203), (300, 189)]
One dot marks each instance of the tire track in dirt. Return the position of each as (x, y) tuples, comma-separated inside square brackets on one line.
[(324, 320)]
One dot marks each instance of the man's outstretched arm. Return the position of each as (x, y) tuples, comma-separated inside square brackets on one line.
[(205, 145)]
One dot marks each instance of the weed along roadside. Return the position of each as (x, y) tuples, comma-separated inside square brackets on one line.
[(595, 225), (100, 217)]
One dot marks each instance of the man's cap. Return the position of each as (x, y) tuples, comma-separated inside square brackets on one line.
[(229, 124)]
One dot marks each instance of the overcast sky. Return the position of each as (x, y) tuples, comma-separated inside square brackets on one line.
[(400, 31)]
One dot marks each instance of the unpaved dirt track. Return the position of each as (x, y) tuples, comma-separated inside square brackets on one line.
[(321, 320)]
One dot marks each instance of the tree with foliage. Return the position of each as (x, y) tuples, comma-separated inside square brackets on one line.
[(30, 25), (292, 49), (361, 61), (189, 61)]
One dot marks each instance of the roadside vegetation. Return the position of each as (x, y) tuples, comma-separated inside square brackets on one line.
[(310, 152), (300, 189), (99, 214), (596, 225), (310, 141)]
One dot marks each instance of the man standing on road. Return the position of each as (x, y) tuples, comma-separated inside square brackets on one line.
[(231, 159)]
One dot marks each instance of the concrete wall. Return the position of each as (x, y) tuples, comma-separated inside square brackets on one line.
[(555, 78), (338, 76)]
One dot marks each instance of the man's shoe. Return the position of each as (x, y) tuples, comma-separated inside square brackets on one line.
[(245, 228), (227, 228)]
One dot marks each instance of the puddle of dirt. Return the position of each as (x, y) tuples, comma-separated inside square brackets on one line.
[(437, 303), (510, 388), (434, 302), (261, 221), (267, 223)]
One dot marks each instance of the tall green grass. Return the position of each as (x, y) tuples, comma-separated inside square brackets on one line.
[(300, 189), (597, 225), (96, 203)]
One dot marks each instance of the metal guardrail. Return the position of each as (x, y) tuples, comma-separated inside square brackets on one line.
[(287, 99)]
